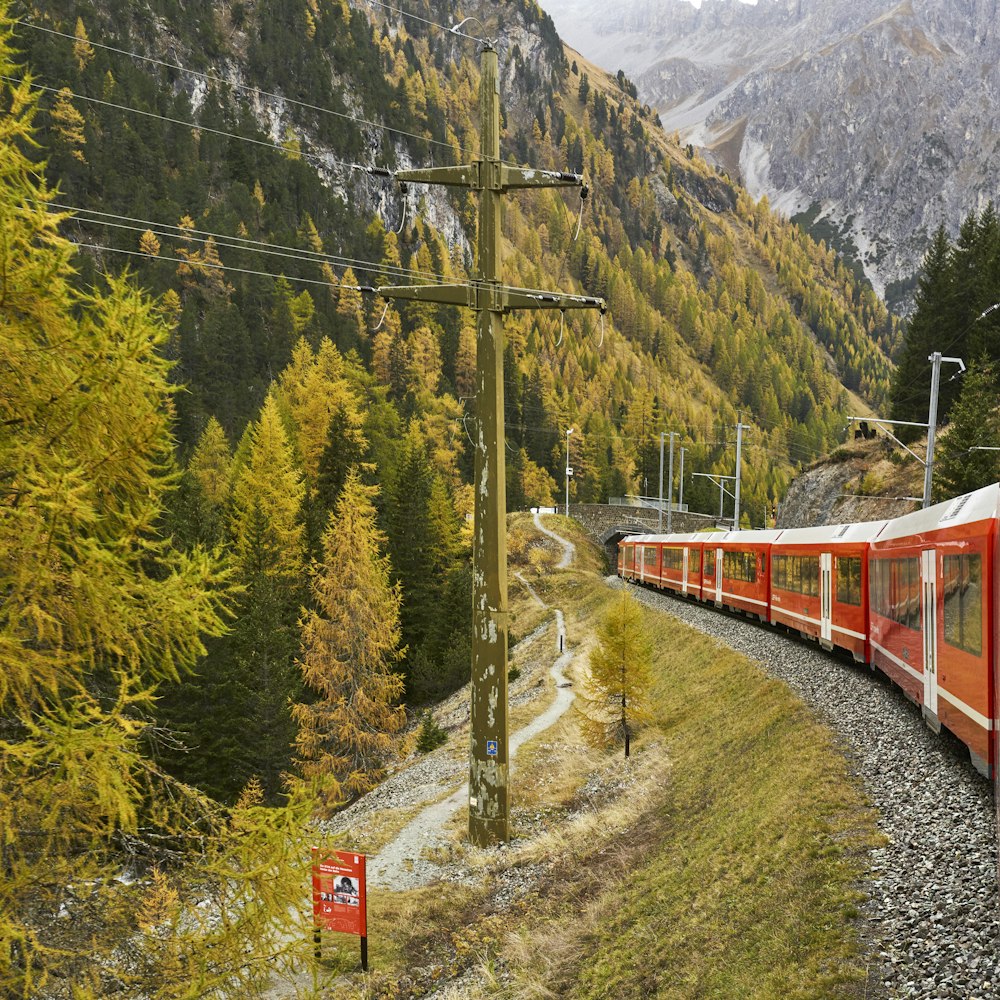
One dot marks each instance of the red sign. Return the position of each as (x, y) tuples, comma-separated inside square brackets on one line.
[(338, 884)]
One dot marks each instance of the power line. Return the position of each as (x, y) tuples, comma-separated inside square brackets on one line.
[(246, 87), (450, 29), (318, 157), (243, 244), (216, 267)]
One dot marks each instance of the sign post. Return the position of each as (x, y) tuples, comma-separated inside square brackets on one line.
[(338, 893)]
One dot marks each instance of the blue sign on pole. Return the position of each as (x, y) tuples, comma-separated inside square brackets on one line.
[(491, 748)]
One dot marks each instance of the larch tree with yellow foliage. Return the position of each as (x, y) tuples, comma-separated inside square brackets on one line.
[(99, 611), (615, 700), (350, 645)]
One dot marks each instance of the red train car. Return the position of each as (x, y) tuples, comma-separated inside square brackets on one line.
[(932, 614), (736, 570), (819, 583), (680, 563)]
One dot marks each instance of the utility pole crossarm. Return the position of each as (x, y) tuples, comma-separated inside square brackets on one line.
[(529, 298), (512, 178), (448, 295), (464, 175), (499, 298)]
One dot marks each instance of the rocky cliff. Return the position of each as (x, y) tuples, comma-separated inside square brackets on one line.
[(875, 120)]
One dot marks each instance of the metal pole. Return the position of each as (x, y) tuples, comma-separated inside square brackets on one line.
[(660, 526), (670, 481), (680, 499), (739, 473), (935, 360), (489, 820), (570, 431)]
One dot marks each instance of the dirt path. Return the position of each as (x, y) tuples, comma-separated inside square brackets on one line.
[(406, 862), (569, 549)]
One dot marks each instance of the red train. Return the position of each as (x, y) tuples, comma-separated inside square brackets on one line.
[(915, 597)]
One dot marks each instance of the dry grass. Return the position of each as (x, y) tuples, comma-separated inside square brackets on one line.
[(721, 861)]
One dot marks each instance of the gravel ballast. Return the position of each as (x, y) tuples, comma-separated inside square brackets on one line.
[(934, 912)]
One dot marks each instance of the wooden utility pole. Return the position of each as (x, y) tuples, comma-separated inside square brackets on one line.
[(489, 811)]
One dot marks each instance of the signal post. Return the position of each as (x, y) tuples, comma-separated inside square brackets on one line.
[(489, 812)]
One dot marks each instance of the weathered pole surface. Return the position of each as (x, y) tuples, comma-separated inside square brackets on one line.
[(489, 819)]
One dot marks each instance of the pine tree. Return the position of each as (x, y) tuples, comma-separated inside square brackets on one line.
[(975, 423), (350, 645), (616, 697), (936, 289)]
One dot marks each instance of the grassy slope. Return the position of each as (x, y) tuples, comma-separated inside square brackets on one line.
[(721, 861)]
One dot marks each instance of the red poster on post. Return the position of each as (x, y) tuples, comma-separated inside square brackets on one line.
[(338, 883)]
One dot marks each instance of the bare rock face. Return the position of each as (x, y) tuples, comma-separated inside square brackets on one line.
[(877, 119)]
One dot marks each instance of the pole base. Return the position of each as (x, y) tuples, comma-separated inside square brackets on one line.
[(484, 832)]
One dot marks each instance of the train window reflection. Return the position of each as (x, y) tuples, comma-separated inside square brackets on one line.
[(963, 603)]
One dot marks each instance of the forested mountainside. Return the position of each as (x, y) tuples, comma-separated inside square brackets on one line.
[(224, 154)]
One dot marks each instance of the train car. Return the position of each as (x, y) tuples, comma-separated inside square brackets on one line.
[(932, 619), (680, 563), (819, 584), (642, 559), (736, 570), (628, 569)]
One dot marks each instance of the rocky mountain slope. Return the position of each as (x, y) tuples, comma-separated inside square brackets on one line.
[(875, 120)]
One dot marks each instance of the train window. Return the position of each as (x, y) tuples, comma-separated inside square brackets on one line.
[(673, 559), (795, 574), (740, 566), (649, 556), (849, 580), (710, 562), (895, 590), (694, 561), (963, 603), (779, 571), (810, 576)]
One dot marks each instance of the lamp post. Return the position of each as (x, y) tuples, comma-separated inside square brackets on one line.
[(568, 470)]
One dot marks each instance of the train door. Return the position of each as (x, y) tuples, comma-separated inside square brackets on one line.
[(826, 597), (718, 576), (684, 571), (928, 601)]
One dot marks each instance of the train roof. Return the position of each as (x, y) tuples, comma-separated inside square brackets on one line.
[(980, 505), (862, 531), (674, 539), (759, 536)]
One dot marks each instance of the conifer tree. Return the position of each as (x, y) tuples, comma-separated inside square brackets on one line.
[(350, 309), (974, 423), (82, 49), (98, 610), (616, 696), (350, 644)]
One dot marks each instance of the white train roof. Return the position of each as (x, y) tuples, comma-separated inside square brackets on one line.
[(863, 531), (980, 505), (760, 536)]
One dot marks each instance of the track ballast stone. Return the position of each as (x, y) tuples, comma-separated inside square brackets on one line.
[(934, 910)]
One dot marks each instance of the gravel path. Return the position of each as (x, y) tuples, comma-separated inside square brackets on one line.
[(934, 911), (569, 549), (413, 858)]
